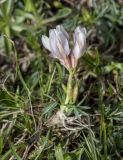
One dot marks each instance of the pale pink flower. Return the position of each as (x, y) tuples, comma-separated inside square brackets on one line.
[(58, 45)]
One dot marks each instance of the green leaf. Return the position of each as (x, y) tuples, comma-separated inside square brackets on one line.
[(63, 12), (113, 66), (10, 4), (41, 148), (33, 81), (6, 155), (1, 143), (7, 42), (49, 108), (29, 6), (59, 153), (14, 152), (74, 155), (18, 27)]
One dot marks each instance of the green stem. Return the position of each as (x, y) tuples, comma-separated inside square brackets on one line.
[(68, 92), (7, 42), (69, 88), (103, 133)]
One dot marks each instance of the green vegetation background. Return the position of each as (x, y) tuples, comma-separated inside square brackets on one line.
[(31, 83)]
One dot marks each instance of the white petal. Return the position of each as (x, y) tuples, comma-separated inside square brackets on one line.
[(79, 42), (61, 28), (76, 51), (59, 44), (64, 43), (53, 43), (52, 38), (80, 35), (84, 31), (45, 42), (80, 29)]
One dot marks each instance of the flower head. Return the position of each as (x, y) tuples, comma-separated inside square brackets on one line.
[(58, 45)]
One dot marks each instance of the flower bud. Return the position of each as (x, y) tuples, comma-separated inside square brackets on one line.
[(58, 45), (79, 42), (45, 42)]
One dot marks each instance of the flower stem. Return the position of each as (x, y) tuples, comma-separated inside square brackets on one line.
[(68, 92), (69, 88)]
